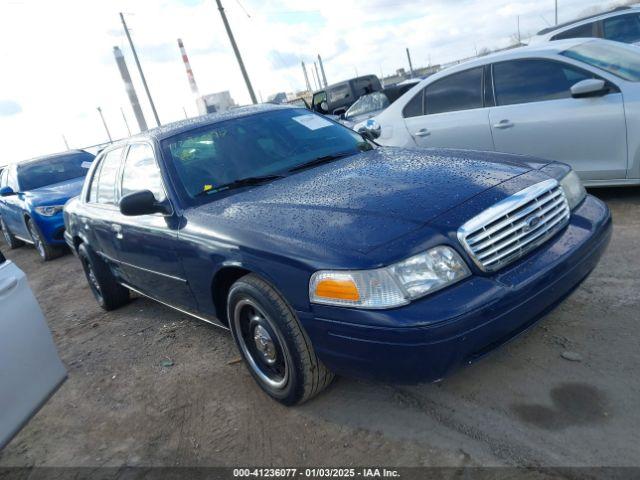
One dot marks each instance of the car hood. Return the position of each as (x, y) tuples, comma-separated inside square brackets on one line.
[(360, 202), (56, 194)]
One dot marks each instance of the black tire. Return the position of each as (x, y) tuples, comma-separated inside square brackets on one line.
[(104, 286), (266, 330), (9, 237), (47, 252)]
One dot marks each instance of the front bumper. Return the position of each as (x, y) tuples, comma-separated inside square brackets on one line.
[(51, 228), (426, 340)]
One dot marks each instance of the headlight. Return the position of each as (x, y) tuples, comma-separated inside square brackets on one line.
[(392, 286), (573, 189), (50, 210)]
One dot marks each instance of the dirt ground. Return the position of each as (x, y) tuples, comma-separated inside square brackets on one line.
[(523, 405)]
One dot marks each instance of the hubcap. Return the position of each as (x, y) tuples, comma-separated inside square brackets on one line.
[(5, 232), (36, 239), (265, 345), (261, 344), (93, 280)]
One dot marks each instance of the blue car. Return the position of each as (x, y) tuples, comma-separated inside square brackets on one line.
[(32, 194), (324, 253)]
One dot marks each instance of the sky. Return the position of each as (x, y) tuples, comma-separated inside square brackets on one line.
[(58, 65)]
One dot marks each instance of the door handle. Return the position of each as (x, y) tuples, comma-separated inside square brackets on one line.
[(117, 229), (8, 285), (502, 124), (423, 132)]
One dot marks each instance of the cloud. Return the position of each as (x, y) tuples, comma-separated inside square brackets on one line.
[(283, 60), (9, 107)]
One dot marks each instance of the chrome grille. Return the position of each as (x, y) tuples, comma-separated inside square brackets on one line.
[(516, 225)]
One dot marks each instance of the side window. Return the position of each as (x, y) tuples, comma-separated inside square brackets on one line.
[(141, 172), (12, 179), (582, 31), (460, 91), (414, 107), (106, 193), (623, 28), (525, 81)]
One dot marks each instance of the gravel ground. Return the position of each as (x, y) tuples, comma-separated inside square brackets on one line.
[(531, 403)]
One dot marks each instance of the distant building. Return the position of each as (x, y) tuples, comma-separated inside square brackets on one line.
[(279, 97), (215, 102)]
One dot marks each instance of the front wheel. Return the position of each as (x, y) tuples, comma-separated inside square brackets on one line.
[(47, 252), (273, 344)]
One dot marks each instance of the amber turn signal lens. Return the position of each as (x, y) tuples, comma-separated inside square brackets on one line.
[(338, 289)]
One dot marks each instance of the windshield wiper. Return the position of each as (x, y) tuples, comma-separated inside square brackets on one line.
[(320, 160), (241, 182)]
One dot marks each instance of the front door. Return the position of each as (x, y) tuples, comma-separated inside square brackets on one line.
[(147, 243), (535, 114), (453, 114)]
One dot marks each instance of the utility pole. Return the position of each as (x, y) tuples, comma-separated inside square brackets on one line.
[(64, 139), (519, 38), (237, 52), (324, 77), (126, 124), (306, 77), (131, 91), (556, 12), (105, 125), (410, 65), (315, 65), (144, 80)]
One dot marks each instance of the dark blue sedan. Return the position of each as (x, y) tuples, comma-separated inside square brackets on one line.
[(326, 254), (32, 194)]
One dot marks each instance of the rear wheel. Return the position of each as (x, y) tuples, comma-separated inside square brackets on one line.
[(273, 344), (47, 252), (104, 286), (9, 237)]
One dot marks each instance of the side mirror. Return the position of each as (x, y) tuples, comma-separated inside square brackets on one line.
[(325, 107), (6, 192), (589, 88), (370, 130), (141, 203)]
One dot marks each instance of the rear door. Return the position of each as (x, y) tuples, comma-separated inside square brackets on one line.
[(30, 369), (535, 114), (452, 113), (146, 244)]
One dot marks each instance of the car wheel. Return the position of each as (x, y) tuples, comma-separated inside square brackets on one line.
[(47, 252), (104, 286), (11, 240), (273, 344)]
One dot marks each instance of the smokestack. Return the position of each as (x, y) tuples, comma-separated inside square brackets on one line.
[(324, 77), (306, 77), (185, 59), (410, 65), (131, 92)]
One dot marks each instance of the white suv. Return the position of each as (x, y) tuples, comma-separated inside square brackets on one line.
[(575, 101), (621, 24)]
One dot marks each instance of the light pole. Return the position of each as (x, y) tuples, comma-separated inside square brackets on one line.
[(237, 52), (105, 125), (144, 80), (556, 12)]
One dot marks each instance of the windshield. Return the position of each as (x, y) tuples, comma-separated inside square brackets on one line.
[(621, 61), (367, 104), (270, 143), (53, 170)]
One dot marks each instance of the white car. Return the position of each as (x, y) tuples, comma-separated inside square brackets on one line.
[(30, 369), (621, 24), (576, 101)]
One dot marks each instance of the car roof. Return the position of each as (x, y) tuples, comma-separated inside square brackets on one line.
[(51, 156), (175, 128), (538, 49), (614, 11)]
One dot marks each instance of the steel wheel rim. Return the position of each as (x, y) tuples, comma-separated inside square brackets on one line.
[(5, 233), (93, 280), (261, 344)]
